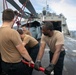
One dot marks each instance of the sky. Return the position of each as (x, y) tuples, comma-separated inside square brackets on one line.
[(66, 7)]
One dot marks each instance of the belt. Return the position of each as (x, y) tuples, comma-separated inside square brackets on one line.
[(11, 63)]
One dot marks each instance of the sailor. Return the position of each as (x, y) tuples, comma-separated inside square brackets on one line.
[(25, 30), (11, 47), (33, 28), (55, 41), (31, 45)]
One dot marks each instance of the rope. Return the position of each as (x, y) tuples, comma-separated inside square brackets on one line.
[(23, 7), (5, 3)]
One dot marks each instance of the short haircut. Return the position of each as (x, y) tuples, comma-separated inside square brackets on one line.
[(48, 25), (8, 15), (20, 31)]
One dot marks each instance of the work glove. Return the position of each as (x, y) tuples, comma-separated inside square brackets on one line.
[(49, 69), (37, 65)]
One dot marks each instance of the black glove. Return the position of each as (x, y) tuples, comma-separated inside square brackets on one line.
[(37, 65), (49, 69)]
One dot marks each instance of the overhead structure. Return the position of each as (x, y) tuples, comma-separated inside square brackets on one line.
[(14, 4), (29, 6)]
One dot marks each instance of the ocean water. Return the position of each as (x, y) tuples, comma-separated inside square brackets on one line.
[(73, 34)]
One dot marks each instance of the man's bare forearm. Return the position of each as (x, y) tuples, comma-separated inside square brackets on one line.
[(26, 55), (56, 53), (23, 52), (41, 51), (55, 57), (40, 54)]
